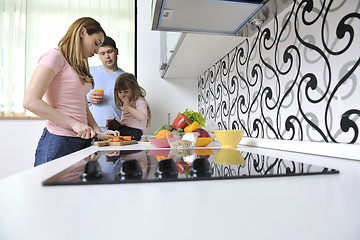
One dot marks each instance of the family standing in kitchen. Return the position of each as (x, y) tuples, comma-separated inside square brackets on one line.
[(63, 78)]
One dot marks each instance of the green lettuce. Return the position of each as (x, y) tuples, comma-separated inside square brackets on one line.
[(195, 117)]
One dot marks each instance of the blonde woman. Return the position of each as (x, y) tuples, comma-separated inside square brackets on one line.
[(57, 92)]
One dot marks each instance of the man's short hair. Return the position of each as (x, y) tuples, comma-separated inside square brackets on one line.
[(109, 42)]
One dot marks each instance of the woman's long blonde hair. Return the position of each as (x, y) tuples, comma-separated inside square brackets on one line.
[(70, 47), (128, 81)]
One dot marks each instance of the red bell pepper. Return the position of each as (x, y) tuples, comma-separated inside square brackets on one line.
[(181, 121)]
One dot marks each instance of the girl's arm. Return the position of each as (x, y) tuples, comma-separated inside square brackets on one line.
[(39, 83), (133, 111), (136, 113)]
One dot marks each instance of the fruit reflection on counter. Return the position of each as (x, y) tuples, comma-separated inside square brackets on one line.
[(160, 154), (204, 152), (183, 167), (189, 162)]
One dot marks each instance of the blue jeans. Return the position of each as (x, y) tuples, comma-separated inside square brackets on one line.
[(53, 146)]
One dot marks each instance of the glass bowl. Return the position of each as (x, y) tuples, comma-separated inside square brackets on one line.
[(181, 140)]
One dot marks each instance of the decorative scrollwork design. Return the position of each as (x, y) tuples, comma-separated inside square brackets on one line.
[(296, 79)]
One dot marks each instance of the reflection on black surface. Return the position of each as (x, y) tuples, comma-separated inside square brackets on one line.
[(258, 165), (229, 157), (130, 170), (201, 168), (92, 171), (124, 166), (166, 169), (116, 168)]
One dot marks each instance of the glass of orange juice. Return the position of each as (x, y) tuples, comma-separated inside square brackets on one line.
[(99, 91)]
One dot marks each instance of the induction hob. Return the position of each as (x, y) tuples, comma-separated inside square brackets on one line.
[(168, 165)]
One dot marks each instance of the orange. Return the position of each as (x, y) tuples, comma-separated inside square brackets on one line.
[(162, 133)]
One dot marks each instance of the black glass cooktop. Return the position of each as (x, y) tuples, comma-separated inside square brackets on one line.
[(165, 165)]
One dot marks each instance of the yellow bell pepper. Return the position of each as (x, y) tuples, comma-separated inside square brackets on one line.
[(191, 127)]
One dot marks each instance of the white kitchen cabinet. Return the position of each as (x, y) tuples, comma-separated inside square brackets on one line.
[(218, 17), (172, 39), (168, 43), (188, 55)]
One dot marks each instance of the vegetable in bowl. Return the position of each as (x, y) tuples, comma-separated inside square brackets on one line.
[(183, 120), (195, 117)]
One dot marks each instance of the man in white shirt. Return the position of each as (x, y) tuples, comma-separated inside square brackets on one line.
[(103, 107)]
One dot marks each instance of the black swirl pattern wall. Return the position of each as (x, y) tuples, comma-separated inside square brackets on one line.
[(297, 78)]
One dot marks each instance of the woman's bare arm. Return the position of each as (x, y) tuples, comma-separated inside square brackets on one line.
[(39, 83)]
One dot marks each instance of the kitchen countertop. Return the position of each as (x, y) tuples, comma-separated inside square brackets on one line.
[(299, 207)]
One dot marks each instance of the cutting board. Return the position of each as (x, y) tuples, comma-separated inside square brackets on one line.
[(106, 143)]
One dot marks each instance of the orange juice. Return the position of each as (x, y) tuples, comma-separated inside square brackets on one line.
[(100, 91)]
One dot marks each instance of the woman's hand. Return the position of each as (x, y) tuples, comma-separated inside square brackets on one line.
[(108, 134), (113, 133), (83, 130)]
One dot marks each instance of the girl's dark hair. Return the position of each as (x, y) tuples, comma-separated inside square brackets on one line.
[(128, 81)]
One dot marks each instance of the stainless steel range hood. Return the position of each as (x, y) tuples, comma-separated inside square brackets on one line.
[(226, 17)]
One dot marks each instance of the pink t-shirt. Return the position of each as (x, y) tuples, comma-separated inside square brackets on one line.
[(129, 120), (66, 92)]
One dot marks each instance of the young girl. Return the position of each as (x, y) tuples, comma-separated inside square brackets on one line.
[(62, 77), (129, 98)]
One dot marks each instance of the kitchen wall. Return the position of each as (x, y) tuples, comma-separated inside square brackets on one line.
[(297, 78), (164, 96), (19, 137)]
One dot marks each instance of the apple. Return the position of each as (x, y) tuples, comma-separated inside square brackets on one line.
[(201, 132)]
